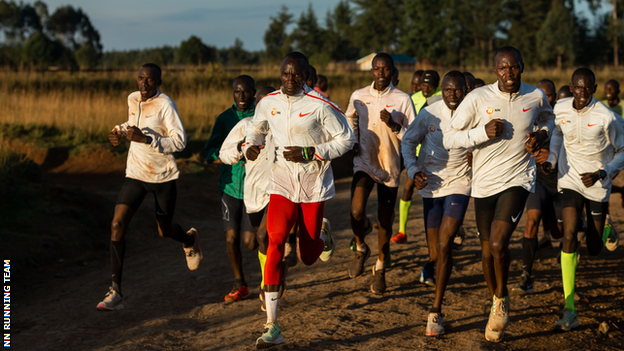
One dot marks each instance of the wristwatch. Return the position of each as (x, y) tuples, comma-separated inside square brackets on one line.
[(148, 140), (603, 174), (397, 128)]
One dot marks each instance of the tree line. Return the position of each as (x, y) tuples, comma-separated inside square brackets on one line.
[(461, 33)]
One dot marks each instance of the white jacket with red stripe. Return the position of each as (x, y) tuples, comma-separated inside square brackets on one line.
[(258, 172), (301, 120), (447, 171), (586, 141), (379, 147), (158, 118), (503, 162)]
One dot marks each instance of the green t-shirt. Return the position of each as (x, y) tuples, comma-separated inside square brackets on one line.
[(419, 99), (617, 108)]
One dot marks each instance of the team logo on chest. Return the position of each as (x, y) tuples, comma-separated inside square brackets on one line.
[(432, 128), (489, 110), (563, 121), (274, 112)]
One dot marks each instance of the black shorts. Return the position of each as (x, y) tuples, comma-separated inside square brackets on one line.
[(133, 192), (507, 206), (385, 195), (597, 210), (235, 215), (546, 199)]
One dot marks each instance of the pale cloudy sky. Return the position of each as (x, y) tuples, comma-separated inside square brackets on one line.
[(141, 24)]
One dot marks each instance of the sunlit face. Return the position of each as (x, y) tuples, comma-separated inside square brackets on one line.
[(243, 92), (416, 83), (453, 92), (292, 75), (508, 71), (611, 91), (382, 73), (427, 89), (583, 88), (549, 90), (148, 82)]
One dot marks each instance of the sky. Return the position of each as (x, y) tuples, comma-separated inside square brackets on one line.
[(143, 24)]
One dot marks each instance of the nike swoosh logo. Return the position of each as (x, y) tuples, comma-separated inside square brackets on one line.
[(388, 106), (304, 114), (590, 125), (526, 109), (274, 299), (515, 219), (596, 214)]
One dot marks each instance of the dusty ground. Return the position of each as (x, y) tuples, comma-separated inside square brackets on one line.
[(168, 307)]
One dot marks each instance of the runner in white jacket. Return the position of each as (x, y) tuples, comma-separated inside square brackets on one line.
[(308, 132), (443, 179), (155, 131), (497, 122), (379, 115), (587, 144)]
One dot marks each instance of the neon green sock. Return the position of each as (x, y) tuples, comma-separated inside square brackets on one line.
[(262, 258), (568, 273), (404, 207)]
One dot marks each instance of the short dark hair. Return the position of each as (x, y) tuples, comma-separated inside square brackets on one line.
[(614, 82), (509, 49), (154, 67), (456, 74), (249, 79), (385, 56), (299, 56), (585, 72), (548, 81)]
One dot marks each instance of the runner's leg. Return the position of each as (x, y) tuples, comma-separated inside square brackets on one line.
[(386, 197), (361, 187), (310, 223)]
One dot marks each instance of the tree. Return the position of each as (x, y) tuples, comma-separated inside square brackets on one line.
[(276, 40), (87, 57), (422, 35), (557, 36), (42, 52), (73, 28), (193, 51), (308, 36), (527, 17), (377, 24), (337, 39)]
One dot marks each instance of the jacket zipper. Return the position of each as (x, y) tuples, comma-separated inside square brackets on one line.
[(578, 126), (295, 166), (139, 116)]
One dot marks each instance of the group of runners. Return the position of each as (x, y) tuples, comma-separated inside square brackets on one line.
[(505, 144)]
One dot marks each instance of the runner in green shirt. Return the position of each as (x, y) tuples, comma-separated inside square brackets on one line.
[(612, 94)]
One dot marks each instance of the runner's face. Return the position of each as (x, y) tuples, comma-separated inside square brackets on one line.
[(453, 92), (583, 88), (416, 83), (611, 92), (509, 72), (470, 83), (549, 90), (382, 73), (243, 92), (148, 82), (292, 76), (427, 89)]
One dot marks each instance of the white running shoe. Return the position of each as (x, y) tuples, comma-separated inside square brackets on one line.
[(614, 237), (193, 254), (271, 336), (112, 301), (435, 324), (499, 319), (330, 245)]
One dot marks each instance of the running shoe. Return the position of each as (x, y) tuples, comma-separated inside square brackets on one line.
[(458, 240), (499, 319), (330, 245), (399, 238), (193, 254), (568, 322), (271, 336), (236, 294), (290, 255), (435, 324), (112, 301), (356, 267), (427, 275), (613, 237), (525, 286), (379, 281), (367, 230)]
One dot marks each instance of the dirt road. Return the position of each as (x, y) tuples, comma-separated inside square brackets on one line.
[(168, 307)]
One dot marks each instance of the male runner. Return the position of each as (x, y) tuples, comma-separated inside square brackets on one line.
[(155, 131), (479, 83), (428, 89), (587, 145), (311, 77), (395, 77), (503, 172), (442, 178), (564, 92), (308, 132), (542, 205), (236, 221), (379, 115), (470, 82), (321, 86), (612, 94), (416, 77)]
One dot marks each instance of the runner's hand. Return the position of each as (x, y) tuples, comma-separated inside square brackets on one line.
[(114, 138), (494, 128), (547, 167), (135, 134), (469, 157), (355, 150), (253, 152), (386, 117), (536, 140), (294, 154), (590, 179), (541, 156), (420, 180)]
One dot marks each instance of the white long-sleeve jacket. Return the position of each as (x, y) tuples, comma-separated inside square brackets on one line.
[(585, 141), (258, 172), (503, 162), (158, 118), (301, 120), (379, 147), (447, 171)]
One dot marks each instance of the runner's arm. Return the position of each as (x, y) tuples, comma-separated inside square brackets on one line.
[(546, 117), (175, 140), (353, 118), (230, 152), (616, 136), (409, 115), (342, 136), (412, 138), (556, 141), (257, 129), (463, 131)]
